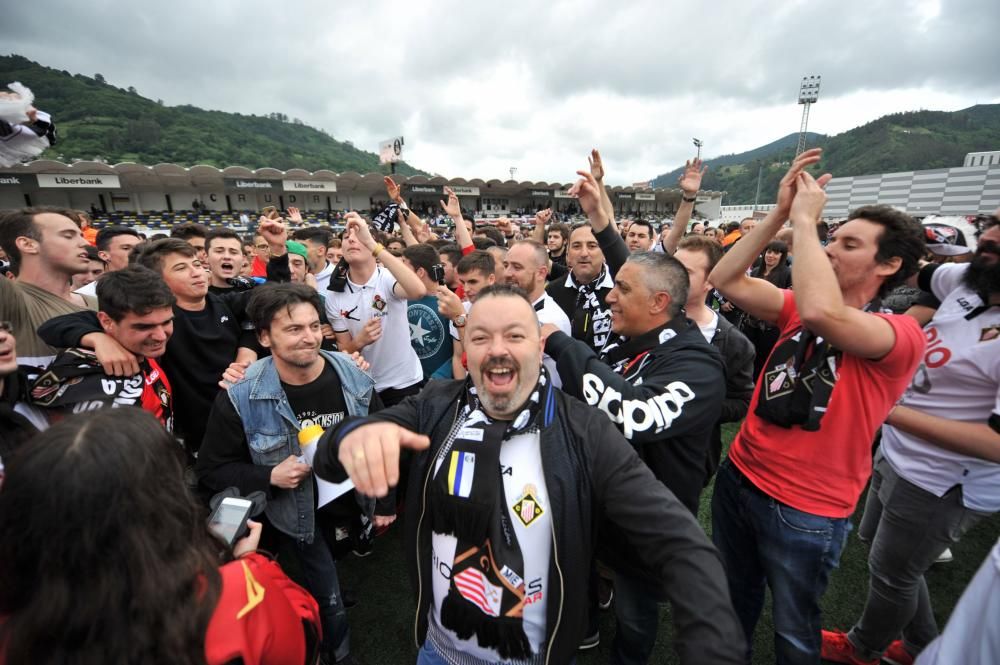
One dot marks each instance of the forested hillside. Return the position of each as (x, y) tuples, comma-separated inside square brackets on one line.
[(98, 120), (898, 142)]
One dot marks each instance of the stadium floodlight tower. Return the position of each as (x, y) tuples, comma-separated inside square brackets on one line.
[(808, 95), (698, 143)]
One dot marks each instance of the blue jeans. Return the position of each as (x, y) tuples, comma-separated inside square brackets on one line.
[(428, 655), (637, 609), (320, 576), (766, 543)]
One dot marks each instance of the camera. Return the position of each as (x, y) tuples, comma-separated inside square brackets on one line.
[(437, 273)]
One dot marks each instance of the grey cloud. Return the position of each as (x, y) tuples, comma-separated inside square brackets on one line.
[(366, 72)]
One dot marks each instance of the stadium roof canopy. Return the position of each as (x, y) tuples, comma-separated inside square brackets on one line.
[(172, 177)]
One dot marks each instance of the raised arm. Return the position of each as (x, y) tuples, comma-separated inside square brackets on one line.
[(690, 183), (597, 170), (758, 297), (818, 297), (404, 229), (453, 208), (408, 285), (542, 218), (407, 218)]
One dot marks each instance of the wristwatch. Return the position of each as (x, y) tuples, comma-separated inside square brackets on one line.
[(459, 321), (689, 199)]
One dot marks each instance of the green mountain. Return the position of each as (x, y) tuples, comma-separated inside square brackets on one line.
[(898, 142), (764, 152), (96, 119)]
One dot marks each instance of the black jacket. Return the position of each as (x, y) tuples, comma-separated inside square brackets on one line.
[(564, 291), (590, 473), (666, 405), (738, 355)]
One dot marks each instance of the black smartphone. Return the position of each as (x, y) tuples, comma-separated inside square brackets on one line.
[(437, 273), (229, 520)]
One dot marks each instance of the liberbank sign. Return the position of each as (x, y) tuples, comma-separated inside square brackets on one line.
[(64, 181)]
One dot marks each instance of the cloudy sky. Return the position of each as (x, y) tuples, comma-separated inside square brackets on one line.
[(476, 88)]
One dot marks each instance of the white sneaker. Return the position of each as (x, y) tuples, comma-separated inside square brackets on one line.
[(945, 557)]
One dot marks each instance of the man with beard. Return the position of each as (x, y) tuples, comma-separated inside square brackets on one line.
[(556, 240), (507, 479), (525, 266), (937, 472), (251, 439)]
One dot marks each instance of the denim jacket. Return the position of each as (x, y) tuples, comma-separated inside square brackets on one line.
[(272, 433)]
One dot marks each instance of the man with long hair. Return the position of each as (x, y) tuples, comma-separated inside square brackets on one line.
[(251, 440)]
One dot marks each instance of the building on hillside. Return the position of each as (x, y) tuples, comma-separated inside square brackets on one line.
[(982, 158), (740, 212)]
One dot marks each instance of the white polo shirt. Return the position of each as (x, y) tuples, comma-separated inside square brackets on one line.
[(959, 379), (394, 364)]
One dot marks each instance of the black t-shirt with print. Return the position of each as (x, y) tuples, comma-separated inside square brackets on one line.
[(320, 402)]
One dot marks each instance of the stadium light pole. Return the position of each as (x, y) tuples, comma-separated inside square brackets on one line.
[(808, 95), (698, 143), (512, 170)]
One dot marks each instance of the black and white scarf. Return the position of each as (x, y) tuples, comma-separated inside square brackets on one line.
[(486, 593), (586, 296), (591, 318), (386, 220)]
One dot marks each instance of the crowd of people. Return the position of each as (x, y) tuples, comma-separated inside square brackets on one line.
[(542, 406)]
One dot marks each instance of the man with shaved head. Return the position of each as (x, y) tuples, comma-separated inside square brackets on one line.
[(526, 266), (510, 476)]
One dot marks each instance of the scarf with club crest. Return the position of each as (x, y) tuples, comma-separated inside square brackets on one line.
[(486, 594)]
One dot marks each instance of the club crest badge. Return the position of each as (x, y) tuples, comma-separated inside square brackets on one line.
[(379, 303), (989, 333), (527, 508)]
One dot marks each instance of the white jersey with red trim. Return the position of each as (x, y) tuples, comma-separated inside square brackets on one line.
[(959, 379)]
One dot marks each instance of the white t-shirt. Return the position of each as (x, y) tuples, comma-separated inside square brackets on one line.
[(393, 362), (710, 328), (959, 379), (323, 278), (521, 470), (88, 289), (549, 312), (972, 635)]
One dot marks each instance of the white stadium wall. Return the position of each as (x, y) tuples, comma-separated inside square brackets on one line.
[(956, 191)]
